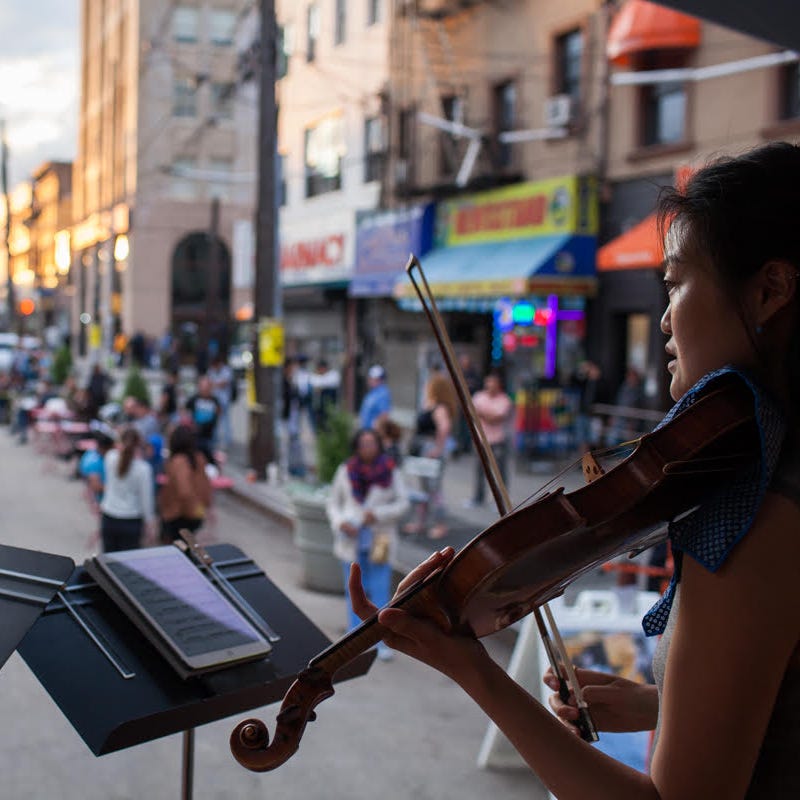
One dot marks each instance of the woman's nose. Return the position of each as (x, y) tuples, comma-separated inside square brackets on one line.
[(666, 322)]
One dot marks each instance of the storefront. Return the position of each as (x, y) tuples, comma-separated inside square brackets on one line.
[(316, 265), (631, 297), (520, 262), (385, 334)]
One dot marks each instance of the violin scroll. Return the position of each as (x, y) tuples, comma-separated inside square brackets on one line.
[(249, 740)]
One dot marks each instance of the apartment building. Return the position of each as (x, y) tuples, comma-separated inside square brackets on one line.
[(681, 91), (38, 250), (156, 194)]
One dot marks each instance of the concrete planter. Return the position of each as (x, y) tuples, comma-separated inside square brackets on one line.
[(320, 569)]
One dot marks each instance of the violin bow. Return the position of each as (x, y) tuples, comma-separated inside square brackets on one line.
[(554, 647)]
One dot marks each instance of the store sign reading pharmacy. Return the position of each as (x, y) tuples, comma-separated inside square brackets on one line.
[(325, 252)]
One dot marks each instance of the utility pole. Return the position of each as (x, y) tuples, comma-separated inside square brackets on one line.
[(10, 299), (266, 297)]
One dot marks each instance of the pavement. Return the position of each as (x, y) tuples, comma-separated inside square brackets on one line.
[(402, 731)]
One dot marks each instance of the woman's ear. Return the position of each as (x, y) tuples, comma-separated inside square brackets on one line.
[(776, 284)]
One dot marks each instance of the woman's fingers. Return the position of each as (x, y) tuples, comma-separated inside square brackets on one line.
[(358, 597), (434, 561)]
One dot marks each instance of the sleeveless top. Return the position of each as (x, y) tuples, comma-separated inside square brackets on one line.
[(776, 774)]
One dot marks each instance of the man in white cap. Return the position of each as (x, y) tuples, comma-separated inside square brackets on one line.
[(377, 402)]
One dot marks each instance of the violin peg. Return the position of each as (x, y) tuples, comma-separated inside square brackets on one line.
[(312, 715)]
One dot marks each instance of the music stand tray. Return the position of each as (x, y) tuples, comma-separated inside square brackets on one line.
[(118, 691), (29, 580)]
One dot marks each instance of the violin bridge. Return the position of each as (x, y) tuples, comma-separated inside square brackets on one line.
[(591, 469)]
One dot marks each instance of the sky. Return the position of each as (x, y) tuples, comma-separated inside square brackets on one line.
[(39, 72)]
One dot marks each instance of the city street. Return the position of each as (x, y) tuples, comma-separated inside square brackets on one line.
[(400, 732)]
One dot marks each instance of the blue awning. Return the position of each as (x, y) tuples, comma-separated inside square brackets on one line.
[(563, 264)]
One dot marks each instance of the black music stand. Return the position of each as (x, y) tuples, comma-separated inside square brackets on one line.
[(118, 691), (29, 580)]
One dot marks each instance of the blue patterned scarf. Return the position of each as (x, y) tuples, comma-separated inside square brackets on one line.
[(712, 530)]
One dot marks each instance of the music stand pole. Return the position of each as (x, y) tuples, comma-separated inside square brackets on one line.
[(188, 765)]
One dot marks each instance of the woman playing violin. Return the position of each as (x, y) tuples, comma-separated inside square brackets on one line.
[(726, 709)]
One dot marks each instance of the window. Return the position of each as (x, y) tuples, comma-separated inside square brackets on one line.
[(373, 11), (374, 149), (664, 113), (505, 112), (222, 95), (183, 187), (184, 24), (285, 49), (453, 109), (790, 92), (406, 126), (340, 23), (281, 181), (569, 58), (324, 150), (221, 26), (312, 32), (184, 98)]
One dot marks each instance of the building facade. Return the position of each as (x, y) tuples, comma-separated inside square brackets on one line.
[(157, 195)]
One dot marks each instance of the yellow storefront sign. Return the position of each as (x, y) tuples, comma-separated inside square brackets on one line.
[(270, 342), (539, 208)]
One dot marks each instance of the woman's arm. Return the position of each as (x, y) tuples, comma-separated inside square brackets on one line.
[(444, 425), (734, 636)]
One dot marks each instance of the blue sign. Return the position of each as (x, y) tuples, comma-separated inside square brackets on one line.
[(384, 240)]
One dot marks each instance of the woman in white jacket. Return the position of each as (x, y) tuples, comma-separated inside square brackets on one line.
[(366, 502)]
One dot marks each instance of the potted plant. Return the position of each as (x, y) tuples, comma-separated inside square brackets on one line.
[(320, 569)]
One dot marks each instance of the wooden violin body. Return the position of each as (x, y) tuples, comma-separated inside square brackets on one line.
[(530, 555)]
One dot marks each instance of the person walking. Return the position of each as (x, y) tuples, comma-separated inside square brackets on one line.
[(127, 508), (433, 439), (365, 504), (186, 494), (377, 402), (221, 376), (204, 409), (493, 407)]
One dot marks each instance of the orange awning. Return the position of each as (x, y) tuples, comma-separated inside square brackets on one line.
[(637, 248), (640, 25)]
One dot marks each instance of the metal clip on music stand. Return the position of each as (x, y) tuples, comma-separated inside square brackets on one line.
[(117, 690)]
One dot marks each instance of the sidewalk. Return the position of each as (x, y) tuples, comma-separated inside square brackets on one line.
[(463, 522)]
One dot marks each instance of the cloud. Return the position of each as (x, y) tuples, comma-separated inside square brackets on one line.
[(39, 82)]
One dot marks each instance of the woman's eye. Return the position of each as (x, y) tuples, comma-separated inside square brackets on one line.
[(669, 285)]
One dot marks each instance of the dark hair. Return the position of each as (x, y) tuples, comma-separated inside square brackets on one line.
[(182, 440), (357, 438), (494, 372), (742, 212), (130, 440)]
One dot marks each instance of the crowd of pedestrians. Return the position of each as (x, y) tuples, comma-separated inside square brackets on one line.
[(148, 460)]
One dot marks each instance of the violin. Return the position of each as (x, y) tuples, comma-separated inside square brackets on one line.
[(531, 554)]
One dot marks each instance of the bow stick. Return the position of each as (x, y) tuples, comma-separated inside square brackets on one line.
[(554, 647)]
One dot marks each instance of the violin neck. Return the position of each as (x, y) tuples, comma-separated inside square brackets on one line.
[(369, 632)]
